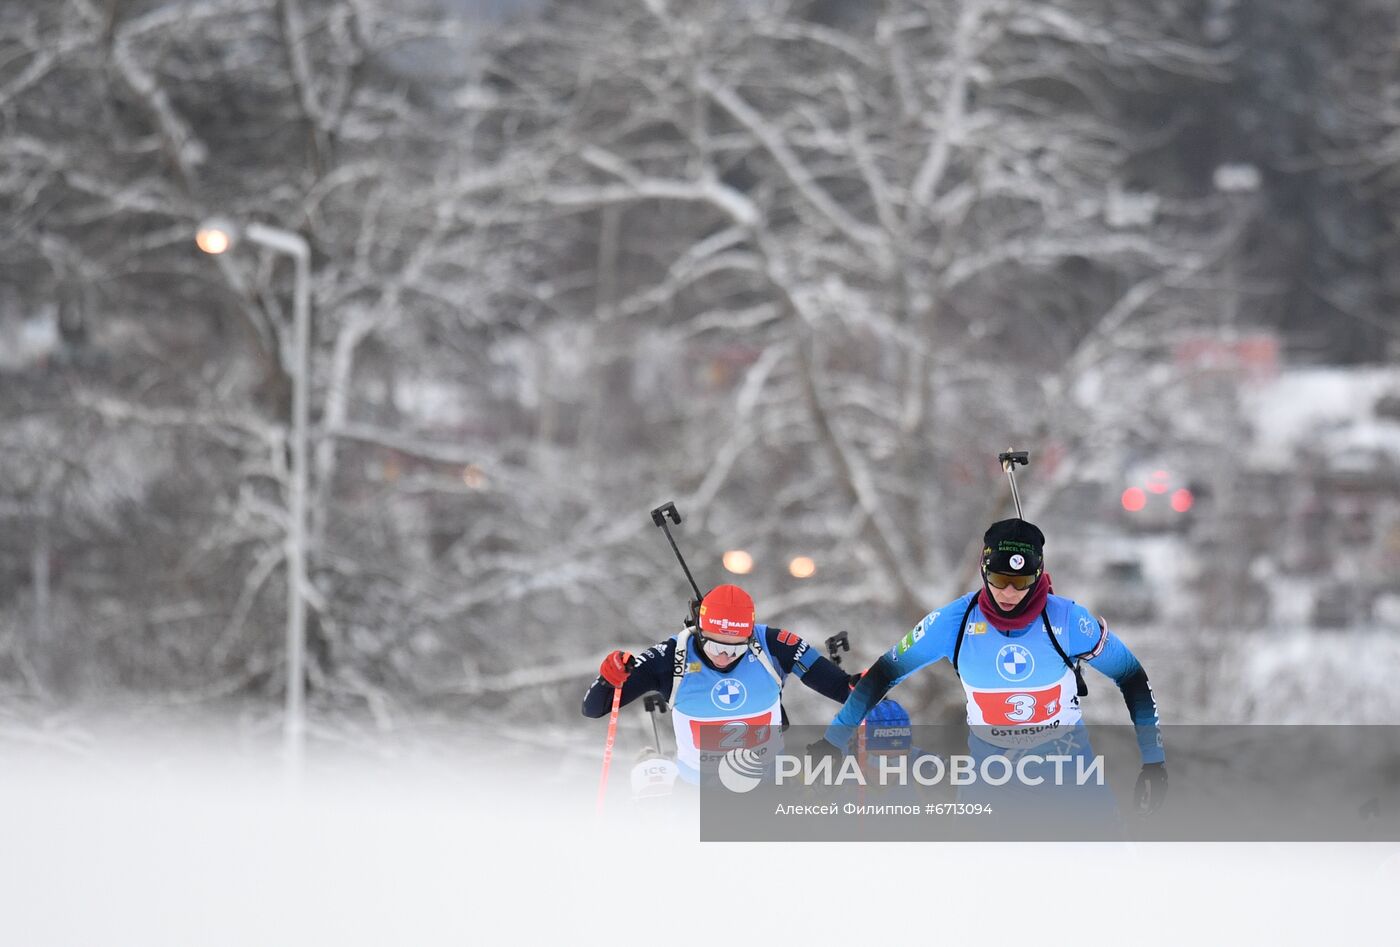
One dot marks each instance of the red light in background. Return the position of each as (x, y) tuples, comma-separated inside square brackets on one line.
[(1134, 499), (1159, 481), (1182, 500)]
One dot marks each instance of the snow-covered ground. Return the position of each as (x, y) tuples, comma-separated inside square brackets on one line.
[(118, 831), (183, 843)]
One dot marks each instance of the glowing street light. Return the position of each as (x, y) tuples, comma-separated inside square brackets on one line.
[(738, 562), (802, 567), (216, 236)]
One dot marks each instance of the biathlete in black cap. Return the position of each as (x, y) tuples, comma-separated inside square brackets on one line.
[(1018, 649)]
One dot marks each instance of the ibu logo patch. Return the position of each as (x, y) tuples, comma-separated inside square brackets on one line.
[(1014, 663), (911, 639), (729, 694)]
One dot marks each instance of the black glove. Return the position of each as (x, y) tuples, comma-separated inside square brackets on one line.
[(819, 750), (1151, 788)]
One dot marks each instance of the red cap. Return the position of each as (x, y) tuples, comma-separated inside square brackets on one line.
[(727, 610)]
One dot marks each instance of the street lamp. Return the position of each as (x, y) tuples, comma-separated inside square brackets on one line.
[(738, 561), (216, 236)]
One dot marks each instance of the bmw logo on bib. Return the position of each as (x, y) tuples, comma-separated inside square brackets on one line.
[(728, 694), (1015, 663)]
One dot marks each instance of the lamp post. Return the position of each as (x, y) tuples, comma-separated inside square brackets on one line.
[(218, 236)]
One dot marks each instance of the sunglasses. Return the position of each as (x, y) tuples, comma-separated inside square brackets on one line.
[(717, 649), (1000, 580)]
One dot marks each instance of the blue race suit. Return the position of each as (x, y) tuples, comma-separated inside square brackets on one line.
[(1022, 697), (1018, 687), (718, 710)]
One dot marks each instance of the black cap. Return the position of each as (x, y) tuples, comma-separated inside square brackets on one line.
[(1014, 547)]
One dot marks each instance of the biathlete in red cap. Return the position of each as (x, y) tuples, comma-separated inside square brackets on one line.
[(723, 678)]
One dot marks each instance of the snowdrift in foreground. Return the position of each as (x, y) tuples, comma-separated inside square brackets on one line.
[(191, 846)]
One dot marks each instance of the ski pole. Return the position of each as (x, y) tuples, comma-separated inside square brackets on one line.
[(655, 706), (608, 749), (1009, 459), (841, 641)]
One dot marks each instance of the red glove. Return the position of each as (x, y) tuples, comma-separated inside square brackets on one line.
[(616, 667)]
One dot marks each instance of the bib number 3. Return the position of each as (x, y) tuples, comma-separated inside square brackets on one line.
[(1022, 707)]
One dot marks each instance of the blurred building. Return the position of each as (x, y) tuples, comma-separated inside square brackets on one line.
[(1283, 510)]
